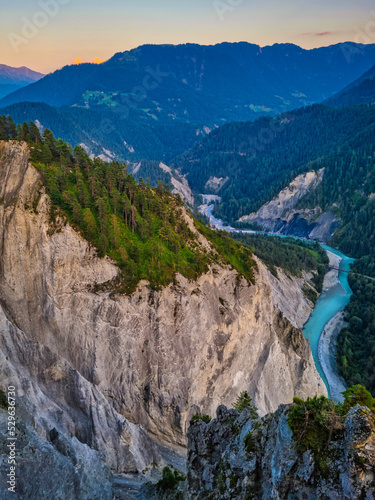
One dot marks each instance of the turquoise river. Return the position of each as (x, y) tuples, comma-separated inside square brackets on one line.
[(328, 304)]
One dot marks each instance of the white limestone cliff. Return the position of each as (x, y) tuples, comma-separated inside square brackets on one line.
[(152, 358)]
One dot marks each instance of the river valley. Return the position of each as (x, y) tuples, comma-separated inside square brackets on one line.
[(326, 320)]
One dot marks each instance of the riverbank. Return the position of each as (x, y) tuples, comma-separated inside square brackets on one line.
[(332, 277), (326, 320), (327, 355), (328, 338)]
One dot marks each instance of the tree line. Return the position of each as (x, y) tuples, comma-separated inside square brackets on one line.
[(143, 229)]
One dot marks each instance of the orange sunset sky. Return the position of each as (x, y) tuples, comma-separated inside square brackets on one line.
[(49, 34)]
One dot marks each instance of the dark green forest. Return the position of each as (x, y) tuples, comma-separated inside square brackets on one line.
[(356, 343), (151, 170), (291, 255), (362, 93), (105, 128), (347, 190), (143, 229), (262, 157)]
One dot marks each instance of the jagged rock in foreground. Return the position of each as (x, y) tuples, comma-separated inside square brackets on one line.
[(59, 468), (235, 457)]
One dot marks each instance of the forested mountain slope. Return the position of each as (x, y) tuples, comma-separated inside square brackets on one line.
[(155, 101), (118, 308), (102, 132), (361, 91), (356, 343), (145, 231), (256, 160)]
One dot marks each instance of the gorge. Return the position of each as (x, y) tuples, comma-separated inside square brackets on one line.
[(93, 367), (187, 250), (336, 296)]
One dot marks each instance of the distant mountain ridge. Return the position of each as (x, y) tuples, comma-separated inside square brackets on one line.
[(231, 81), (362, 91), (8, 74), (12, 79), (154, 102)]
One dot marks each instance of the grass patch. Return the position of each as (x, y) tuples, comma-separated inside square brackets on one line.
[(198, 417), (250, 445)]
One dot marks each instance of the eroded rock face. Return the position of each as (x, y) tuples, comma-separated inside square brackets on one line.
[(281, 215), (180, 185), (53, 395), (288, 197), (225, 463), (59, 468), (153, 358)]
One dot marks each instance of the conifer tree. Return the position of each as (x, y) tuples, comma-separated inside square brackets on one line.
[(3, 129), (12, 129), (23, 132), (245, 401), (35, 134)]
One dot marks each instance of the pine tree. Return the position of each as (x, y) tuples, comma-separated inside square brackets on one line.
[(3, 129), (23, 132), (245, 401), (34, 133), (50, 142), (46, 155), (12, 129)]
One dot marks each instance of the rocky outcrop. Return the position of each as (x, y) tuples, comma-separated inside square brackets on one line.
[(215, 183), (237, 457), (93, 364), (179, 184), (288, 198), (56, 396), (281, 216), (50, 469)]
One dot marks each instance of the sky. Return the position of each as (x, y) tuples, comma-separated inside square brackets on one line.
[(45, 35)]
